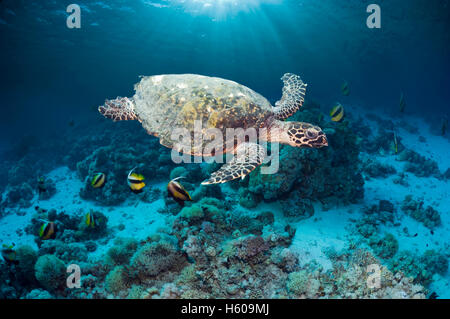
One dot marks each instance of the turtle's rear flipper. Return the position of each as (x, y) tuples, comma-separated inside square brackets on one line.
[(119, 109), (293, 96), (248, 157)]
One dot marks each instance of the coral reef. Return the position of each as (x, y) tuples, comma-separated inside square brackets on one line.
[(212, 251), (154, 258), (351, 278), (384, 247), (116, 159), (50, 271), (122, 251), (374, 169), (297, 207), (420, 267), (118, 280), (218, 245), (26, 258), (70, 228), (419, 165), (19, 195), (428, 216)]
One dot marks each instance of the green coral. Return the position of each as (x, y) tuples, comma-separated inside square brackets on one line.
[(428, 216), (420, 267), (26, 257), (117, 280), (122, 250), (385, 247), (248, 199), (192, 213), (50, 271), (188, 275), (300, 283), (155, 258), (178, 171), (136, 292), (208, 208)]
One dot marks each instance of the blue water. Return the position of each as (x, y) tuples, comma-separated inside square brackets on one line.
[(54, 78)]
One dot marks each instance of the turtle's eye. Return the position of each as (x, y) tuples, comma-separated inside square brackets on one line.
[(311, 133)]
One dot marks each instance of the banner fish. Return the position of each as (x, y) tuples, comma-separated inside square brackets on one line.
[(9, 254), (337, 113), (99, 180), (135, 181), (89, 219), (48, 231), (345, 89), (178, 192), (402, 103), (395, 143)]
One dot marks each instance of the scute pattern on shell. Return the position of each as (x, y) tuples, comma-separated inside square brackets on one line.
[(166, 102)]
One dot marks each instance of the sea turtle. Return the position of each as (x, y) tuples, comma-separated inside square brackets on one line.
[(163, 103)]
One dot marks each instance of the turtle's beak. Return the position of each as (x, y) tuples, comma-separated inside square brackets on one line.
[(325, 140), (321, 141)]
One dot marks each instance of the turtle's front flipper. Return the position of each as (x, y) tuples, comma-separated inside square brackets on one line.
[(119, 109), (293, 96), (248, 157)]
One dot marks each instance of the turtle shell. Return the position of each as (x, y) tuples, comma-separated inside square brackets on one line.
[(174, 105)]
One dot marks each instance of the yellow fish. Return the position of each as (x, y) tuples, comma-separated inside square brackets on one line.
[(48, 231), (99, 180), (178, 192), (345, 89), (89, 219), (337, 113), (9, 254), (135, 181), (395, 143)]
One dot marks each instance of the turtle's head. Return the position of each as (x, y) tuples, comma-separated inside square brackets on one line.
[(300, 134)]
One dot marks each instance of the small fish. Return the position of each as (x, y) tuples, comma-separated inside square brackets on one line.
[(444, 126), (395, 143), (345, 89), (135, 181), (178, 192), (89, 219), (41, 185), (9, 254), (99, 180), (415, 235), (431, 232), (48, 231), (71, 123), (402, 103), (337, 113)]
